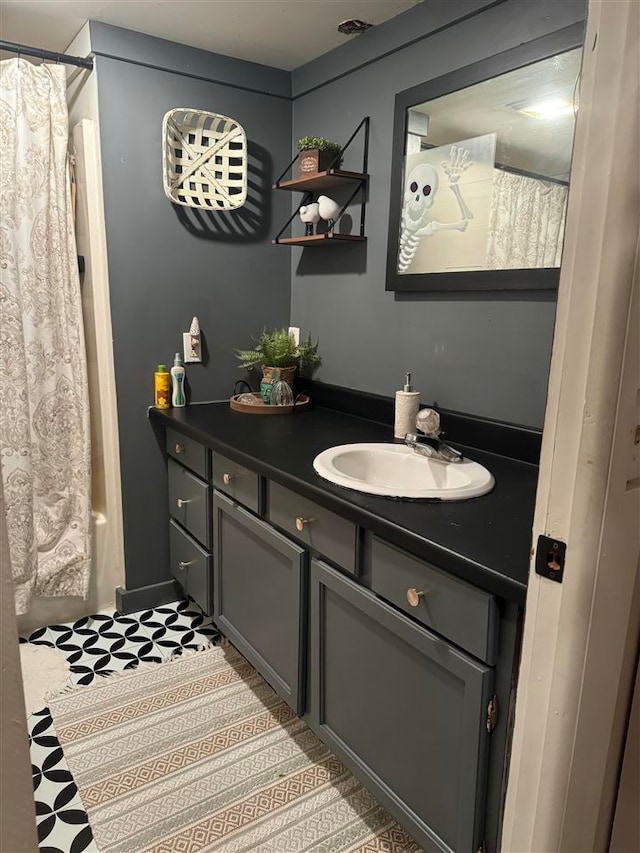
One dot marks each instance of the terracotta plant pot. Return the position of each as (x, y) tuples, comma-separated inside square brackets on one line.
[(314, 160), (285, 373)]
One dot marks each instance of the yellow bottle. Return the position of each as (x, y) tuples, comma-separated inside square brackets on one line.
[(161, 386)]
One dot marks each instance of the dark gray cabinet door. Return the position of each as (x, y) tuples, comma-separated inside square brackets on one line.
[(259, 589), (403, 708)]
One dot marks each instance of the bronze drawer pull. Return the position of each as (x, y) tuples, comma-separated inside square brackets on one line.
[(227, 478), (301, 522), (182, 565), (414, 596), (179, 448), (182, 502)]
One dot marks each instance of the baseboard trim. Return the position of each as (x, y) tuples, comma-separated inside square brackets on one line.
[(146, 597)]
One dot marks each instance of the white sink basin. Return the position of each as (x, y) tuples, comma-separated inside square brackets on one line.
[(396, 470)]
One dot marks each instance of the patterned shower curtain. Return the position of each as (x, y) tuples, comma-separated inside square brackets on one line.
[(527, 219), (44, 403)]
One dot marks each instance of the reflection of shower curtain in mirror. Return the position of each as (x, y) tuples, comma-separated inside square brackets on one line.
[(526, 225), (44, 408)]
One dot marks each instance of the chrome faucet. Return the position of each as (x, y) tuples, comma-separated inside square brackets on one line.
[(427, 441)]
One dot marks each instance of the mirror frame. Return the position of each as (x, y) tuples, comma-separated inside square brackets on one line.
[(543, 278)]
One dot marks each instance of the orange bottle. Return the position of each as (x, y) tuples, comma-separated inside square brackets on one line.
[(161, 387)]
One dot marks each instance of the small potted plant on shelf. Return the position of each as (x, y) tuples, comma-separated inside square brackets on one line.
[(280, 357), (317, 154)]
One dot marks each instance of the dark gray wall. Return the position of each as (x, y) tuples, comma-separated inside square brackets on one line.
[(167, 264), (487, 355), (482, 354)]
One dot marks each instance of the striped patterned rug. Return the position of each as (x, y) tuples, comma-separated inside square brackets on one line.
[(198, 754)]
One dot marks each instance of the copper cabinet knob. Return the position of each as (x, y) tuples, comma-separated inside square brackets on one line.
[(182, 502), (226, 479), (414, 596), (301, 522), (182, 565), (179, 448)]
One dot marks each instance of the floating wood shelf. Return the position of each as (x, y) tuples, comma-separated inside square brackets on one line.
[(319, 239), (320, 180)]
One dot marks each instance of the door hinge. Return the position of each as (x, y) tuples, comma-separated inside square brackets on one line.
[(482, 848), (492, 714)]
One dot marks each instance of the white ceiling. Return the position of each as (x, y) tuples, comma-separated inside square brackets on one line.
[(281, 33)]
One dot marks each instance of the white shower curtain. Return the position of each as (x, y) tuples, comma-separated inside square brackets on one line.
[(44, 403), (526, 224)]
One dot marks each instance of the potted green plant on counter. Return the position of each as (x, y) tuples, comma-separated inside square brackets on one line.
[(317, 154), (280, 357)]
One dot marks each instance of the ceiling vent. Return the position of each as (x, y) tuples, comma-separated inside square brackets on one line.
[(353, 27)]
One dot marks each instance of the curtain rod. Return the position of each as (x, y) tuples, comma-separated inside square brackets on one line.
[(80, 61)]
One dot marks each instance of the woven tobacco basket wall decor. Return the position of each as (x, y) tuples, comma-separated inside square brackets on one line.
[(205, 159)]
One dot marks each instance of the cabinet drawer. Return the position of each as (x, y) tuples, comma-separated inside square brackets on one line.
[(236, 481), (189, 502), (460, 612), (190, 565), (188, 452), (319, 529)]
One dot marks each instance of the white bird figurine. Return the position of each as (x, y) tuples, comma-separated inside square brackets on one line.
[(329, 209), (309, 214)]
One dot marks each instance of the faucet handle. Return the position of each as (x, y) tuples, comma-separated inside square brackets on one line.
[(428, 422)]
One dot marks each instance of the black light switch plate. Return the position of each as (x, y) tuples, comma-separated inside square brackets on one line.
[(550, 556)]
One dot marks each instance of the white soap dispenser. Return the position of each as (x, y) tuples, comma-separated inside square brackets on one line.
[(406, 409), (177, 383)]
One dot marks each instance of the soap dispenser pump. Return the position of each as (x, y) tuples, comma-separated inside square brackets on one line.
[(177, 383), (407, 404)]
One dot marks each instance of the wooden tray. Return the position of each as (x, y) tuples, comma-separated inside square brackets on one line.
[(303, 403)]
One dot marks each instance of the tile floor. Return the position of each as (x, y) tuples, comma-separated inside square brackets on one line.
[(95, 646)]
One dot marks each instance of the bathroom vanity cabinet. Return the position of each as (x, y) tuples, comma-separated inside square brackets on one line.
[(404, 707), (403, 668)]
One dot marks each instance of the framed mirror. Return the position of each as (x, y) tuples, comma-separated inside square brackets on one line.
[(480, 171)]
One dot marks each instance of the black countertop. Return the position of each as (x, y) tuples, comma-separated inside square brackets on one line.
[(484, 540)]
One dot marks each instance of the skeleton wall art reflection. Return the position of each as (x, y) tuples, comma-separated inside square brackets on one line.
[(447, 197)]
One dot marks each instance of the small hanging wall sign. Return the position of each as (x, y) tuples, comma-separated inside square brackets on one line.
[(205, 159)]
